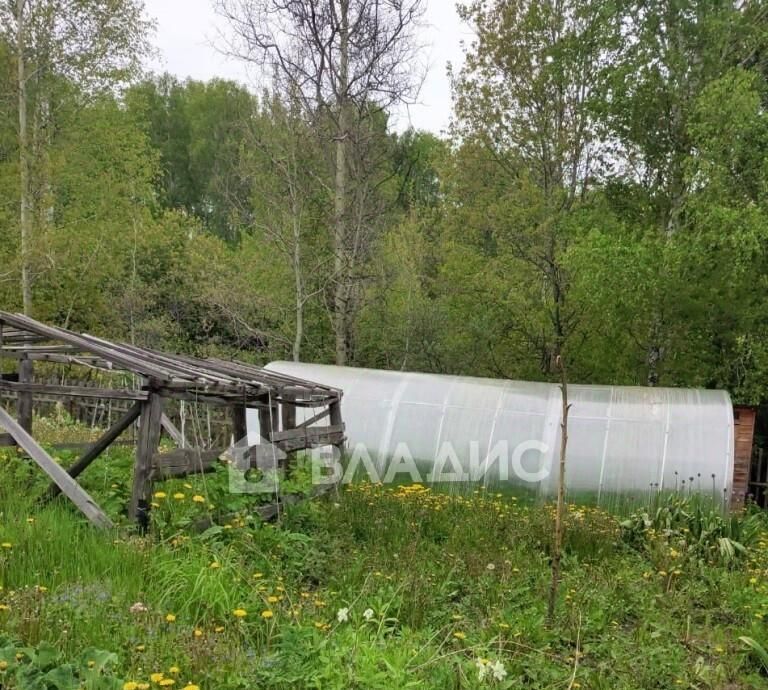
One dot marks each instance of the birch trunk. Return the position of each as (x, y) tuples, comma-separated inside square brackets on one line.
[(25, 217), (341, 192)]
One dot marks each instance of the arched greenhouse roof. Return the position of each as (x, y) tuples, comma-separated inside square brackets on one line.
[(621, 439)]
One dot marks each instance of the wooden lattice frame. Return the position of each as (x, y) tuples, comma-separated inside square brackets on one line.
[(159, 377)]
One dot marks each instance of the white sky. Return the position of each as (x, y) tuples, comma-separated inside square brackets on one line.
[(188, 30)]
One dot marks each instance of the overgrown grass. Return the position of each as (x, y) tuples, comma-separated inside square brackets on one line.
[(379, 587)]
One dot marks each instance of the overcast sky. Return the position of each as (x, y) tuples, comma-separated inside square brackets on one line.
[(188, 30)]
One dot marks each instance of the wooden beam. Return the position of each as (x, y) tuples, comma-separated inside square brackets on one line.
[(173, 431), (24, 405), (97, 448), (311, 438), (313, 420), (148, 440), (68, 486), (72, 391), (88, 344), (183, 462)]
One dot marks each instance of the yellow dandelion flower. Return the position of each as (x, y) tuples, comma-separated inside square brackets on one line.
[(3, 665), (175, 670), (239, 613), (156, 677), (179, 496), (197, 498), (191, 686), (160, 495), (167, 682), (170, 617), (258, 576), (460, 635), (215, 565), (198, 632), (218, 629), (142, 686), (273, 599), (131, 685), (267, 614), (7, 545), (140, 647)]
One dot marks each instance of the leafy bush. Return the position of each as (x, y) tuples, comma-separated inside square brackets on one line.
[(694, 527), (43, 668)]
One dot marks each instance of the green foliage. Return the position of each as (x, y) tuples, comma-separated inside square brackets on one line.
[(694, 528), (43, 668), (380, 583)]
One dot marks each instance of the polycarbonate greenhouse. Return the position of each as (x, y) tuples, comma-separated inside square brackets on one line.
[(621, 439)]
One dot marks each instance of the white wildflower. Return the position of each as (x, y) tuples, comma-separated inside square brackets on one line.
[(499, 672), (138, 607), (490, 566), (342, 615), (482, 668), (368, 614)]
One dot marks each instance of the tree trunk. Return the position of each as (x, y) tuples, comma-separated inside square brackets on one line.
[(559, 514), (341, 265), (298, 286), (25, 219)]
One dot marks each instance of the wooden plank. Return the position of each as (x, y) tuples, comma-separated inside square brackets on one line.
[(68, 486), (173, 431), (149, 438), (316, 436), (86, 343), (184, 461), (97, 448), (50, 389), (313, 420), (85, 360), (24, 404), (305, 433)]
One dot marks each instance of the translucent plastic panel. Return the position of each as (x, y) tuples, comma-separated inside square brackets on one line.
[(418, 426), (589, 403), (633, 458), (586, 448), (621, 439)]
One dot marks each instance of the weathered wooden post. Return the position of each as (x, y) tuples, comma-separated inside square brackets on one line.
[(24, 405), (288, 417), (146, 447), (239, 423)]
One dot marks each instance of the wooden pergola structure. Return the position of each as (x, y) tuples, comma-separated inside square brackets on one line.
[(158, 377)]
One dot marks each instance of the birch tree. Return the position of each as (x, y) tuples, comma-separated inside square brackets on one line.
[(348, 61), (95, 44)]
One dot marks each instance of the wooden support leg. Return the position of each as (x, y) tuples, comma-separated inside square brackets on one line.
[(265, 423), (24, 407), (288, 415), (146, 447), (239, 423), (69, 486), (336, 421), (97, 449)]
